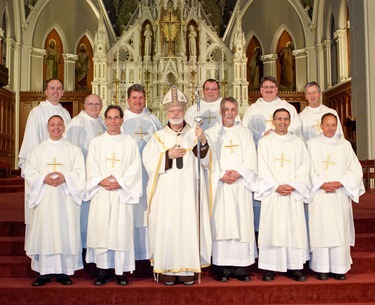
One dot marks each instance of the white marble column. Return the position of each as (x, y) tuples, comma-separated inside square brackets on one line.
[(301, 68), (36, 57), (341, 40), (69, 71), (269, 64), (327, 62)]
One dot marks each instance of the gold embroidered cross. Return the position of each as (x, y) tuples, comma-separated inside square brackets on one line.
[(328, 163), (54, 164), (317, 126), (270, 120), (282, 160), (113, 159), (231, 146), (141, 133)]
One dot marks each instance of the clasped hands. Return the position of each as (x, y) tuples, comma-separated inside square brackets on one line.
[(331, 186), (54, 179), (285, 189), (110, 183), (230, 177)]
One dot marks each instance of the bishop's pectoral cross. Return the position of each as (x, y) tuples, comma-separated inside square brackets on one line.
[(231, 146), (327, 163), (282, 160), (141, 133), (54, 164), (113, 159)]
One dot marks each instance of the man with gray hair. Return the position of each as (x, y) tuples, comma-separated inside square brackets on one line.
[(178, 246)]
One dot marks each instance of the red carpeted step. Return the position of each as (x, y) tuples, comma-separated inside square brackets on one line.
[(11, 188), (12, 228), (357, 289), (13, 180), (364, 225), (12, 245), (364, 242), (363, 262), (15, 267)]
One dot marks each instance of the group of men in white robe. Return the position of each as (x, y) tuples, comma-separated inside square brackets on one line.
[(289, 173), (261, 154), (114, 176)]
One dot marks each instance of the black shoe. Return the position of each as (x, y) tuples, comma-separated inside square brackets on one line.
[(339, 277), (268, 276), (188, 283), (170, 283), (244, 278), (64, 279), (101, 280), (41, 281), (322, 276), (296, 275), (223, 278), (122, 280)]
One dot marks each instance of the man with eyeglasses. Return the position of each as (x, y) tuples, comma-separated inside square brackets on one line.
[(258, 118), (283, 172), (209, 106), (114, 186), (311, 115), (178, 246), (141, 124), (80, 131)]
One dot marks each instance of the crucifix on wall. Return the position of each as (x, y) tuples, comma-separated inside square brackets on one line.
[(169, 26)]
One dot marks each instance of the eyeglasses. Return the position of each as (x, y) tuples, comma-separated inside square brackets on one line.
[(211, 89), (269, 87), (175, 111)]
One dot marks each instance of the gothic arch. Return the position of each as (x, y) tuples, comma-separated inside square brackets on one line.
[(88, 36), (61, 34), (305, 22), (277, 36), (330, 19), (250, 36), (342, 15)]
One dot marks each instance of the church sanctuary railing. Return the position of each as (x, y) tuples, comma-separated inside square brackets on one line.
[(72, 101), (339, 97), (7, 129)]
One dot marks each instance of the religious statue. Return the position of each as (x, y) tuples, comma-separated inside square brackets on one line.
[(82, 67), (192, 35), (148, 40), (52, 60), (286, 59), (255, 68)]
